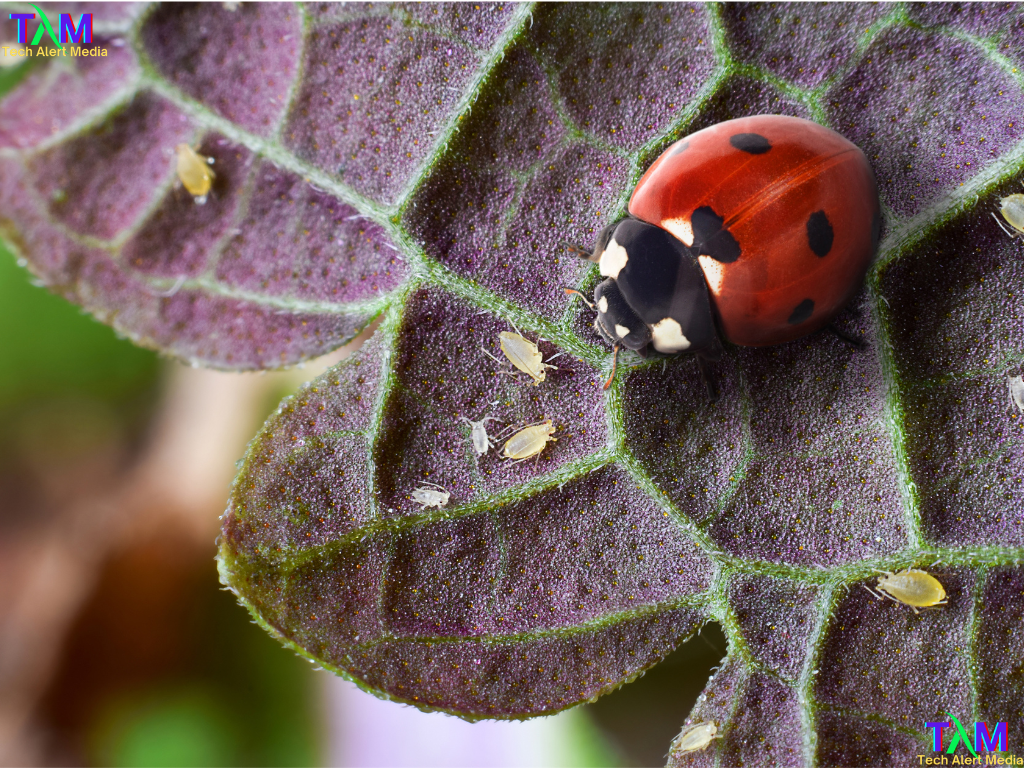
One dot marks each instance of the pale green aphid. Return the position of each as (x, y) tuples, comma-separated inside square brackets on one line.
[(694, 737), (912, 587), (524, 355), (529, 441), (194, 172), (1012, 210), (436, 496), (482, 442)]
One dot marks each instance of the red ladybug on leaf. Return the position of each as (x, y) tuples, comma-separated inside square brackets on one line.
[(757, 230)]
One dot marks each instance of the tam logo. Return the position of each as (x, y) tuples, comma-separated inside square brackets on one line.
[(67, 31), (984, 739)]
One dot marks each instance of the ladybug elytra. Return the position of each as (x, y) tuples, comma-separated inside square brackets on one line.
[(757, 230)]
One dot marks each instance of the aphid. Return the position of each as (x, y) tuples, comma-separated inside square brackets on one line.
[(431, 497), (194, 172), (481, 440), (524, 355), (1016, 384), (1012, 209), (911, 587), (529, 441), (695, 737)]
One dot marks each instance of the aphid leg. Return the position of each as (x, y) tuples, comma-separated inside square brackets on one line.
[(872, 592), (890, 597), (615, 362), (499, 362), (509, 429), (943, 601), (491, 356), (708, 377), (1011, 234), (573, 291), (846, 338)]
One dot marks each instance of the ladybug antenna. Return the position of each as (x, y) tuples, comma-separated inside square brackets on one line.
[(615, 362), (571, 291)]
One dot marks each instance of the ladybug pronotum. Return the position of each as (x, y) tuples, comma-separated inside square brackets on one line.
[(757, 231)]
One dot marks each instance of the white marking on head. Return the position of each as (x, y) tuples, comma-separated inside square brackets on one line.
[(602, 304), (714, 273), (621, 331), (681, 228), (613, 259), (667, 336)]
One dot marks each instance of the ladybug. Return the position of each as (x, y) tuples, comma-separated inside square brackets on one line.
[(757, 231)]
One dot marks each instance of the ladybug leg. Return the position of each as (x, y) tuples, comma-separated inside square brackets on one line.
[(708, 377), (615, 363), (599, 246), (573, 291), (854, 341), (577, 250)]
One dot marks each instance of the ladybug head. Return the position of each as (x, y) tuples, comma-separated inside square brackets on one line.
[(616, 321), (654, 293)]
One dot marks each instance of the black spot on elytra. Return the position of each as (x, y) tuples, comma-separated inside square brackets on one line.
[(876, 230), (802, 312), (680, 146), (819, 233), (710, 239), (753, 143)]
